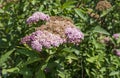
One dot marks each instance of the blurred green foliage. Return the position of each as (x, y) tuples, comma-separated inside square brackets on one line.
[(91, 59)]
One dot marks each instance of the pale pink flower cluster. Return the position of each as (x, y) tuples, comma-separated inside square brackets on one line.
[(44, 39), (36, 17), (39, 39), (116, 36), (74, 35)]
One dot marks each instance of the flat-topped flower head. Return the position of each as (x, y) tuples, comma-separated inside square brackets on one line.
[(56, 31), (41, 16), (36, 17), (47, 39), (74, 35), (40, 39), (57, 25)]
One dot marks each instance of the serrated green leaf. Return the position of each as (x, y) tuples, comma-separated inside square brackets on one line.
[(61, 74), (81, 14), (114, 73), (25, 71), (4, 57), (29, 53), (77, 52), (68, 4), (40, 74), (1, 11), (32, 56), (30, 61), (64, 74), (99, 29), (92, 59), (11, 70), (33, 2), (67, 49), (106, 12), (103, 69), (71, 56)]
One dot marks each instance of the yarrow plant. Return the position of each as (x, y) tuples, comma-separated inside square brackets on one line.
[(53, 46), (47, 37), (36, 17)]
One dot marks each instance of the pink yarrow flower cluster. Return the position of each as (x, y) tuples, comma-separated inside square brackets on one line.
[(116, 36), (36, 17), (40, 39), (25, 40), (44, 39), (74, 35)]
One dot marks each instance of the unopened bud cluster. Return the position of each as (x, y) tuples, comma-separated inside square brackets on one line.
[(103, 5)]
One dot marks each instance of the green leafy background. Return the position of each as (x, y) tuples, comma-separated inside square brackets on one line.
[(91, 59)]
